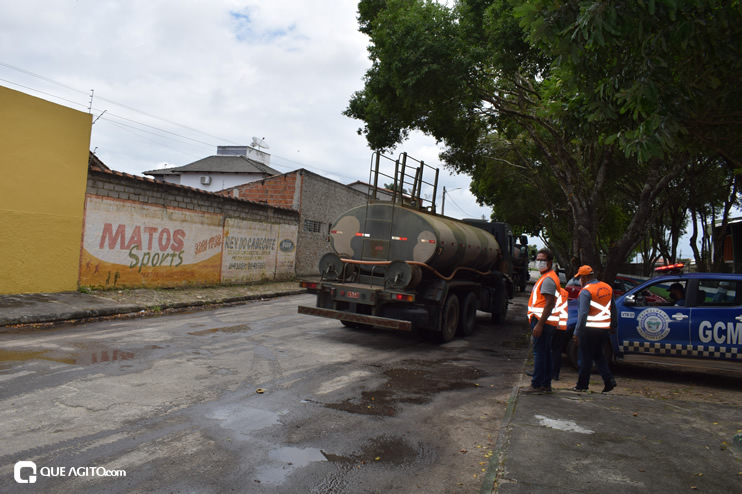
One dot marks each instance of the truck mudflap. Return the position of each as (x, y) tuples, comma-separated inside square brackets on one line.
[(383, 322)]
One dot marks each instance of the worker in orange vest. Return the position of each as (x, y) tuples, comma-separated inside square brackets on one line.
[(596, 319), (560, 336), (544, 322)]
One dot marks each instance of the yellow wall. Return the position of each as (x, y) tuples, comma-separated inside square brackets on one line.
[(43, 174)]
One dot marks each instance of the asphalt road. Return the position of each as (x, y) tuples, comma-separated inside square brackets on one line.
[(253, 398)]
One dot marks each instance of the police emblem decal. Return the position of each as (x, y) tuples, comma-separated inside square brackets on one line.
[(653, 324)]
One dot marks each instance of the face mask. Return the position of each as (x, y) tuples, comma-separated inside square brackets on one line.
[(541, 265)]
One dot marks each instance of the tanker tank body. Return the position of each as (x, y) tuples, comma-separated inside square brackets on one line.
[(401, 268), (382, 231)]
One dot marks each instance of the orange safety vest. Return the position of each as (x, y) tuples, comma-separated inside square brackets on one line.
[(537, 301), (561, 308), (600, 305)]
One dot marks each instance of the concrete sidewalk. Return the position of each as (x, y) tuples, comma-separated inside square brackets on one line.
[(40, 308), (595, 443)]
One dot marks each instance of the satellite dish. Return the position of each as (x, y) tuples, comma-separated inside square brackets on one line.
[(257, 142)]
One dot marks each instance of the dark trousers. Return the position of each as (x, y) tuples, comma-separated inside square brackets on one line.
[(557, 344), (542, 365), (591, 350)]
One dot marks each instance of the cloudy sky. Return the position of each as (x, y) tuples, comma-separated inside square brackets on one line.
[(172, 80)]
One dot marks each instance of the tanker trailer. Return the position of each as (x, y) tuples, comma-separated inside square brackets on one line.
[(398, 267)]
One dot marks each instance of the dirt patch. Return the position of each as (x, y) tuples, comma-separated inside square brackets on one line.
[(665, 383)]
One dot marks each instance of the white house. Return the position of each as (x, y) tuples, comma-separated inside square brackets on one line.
[(231, 166)]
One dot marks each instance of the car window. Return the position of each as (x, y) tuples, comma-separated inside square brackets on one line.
[(630, 283), (718, 293), (660, 294)]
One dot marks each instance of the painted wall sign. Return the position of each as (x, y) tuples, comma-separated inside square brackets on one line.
[(128, 243), (133, 244), (252, 251)]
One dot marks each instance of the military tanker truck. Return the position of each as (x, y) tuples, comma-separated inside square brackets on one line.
[(397, 264)]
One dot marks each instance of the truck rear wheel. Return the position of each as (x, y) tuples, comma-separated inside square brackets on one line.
[(502, 311), (450, 319), (468, 315)]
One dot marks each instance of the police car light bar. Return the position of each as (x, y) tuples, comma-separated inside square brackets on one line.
[(670, 268)]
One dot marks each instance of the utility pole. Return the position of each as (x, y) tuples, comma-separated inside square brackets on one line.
[(443, 202)]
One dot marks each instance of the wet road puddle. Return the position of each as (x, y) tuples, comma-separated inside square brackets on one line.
[(227, 329), (285, 460), (415, 384), (243, 419), (382, 449), (84, 355)]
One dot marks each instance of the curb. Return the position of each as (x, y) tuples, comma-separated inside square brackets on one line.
[(124, 309), (495, 465), (69, 315), (737, 444)]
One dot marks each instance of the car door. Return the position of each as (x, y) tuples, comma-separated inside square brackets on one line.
[(716, 320), (650, 322)]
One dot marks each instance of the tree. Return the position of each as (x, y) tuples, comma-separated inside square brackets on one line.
[(470, 77)]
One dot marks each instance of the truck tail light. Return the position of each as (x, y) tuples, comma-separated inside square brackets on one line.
[(401, 297), (309, 285)]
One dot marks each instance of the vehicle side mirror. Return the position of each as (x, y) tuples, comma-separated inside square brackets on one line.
[(629, 300)]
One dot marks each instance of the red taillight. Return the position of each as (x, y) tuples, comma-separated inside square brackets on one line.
[(309, 285), (403, 298)]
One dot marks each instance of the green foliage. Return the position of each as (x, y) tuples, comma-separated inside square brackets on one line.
[(571, 116), (662, 75)]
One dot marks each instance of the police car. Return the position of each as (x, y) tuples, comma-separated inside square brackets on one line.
[(691, 319)]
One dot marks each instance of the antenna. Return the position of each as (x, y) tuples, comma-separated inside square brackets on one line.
[(257, 142)]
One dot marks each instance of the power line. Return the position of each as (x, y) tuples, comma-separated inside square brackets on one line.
[(52, 81), (458, 207), (132, 129)]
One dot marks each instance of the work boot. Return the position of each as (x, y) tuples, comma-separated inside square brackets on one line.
[(609, 386), (530, 390)]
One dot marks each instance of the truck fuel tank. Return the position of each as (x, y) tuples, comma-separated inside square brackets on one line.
[(383, 231)]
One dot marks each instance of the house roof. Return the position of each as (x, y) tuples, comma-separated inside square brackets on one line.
[(218, 164), (95, 164)]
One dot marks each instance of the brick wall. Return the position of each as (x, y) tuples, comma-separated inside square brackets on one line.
[(142, 232), (279, 191), (322, 202), (319, 201), (117, 185)]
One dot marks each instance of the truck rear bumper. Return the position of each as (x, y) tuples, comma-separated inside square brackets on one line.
[(357, 318)]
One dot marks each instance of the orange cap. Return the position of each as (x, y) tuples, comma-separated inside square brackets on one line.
[(584, 271)]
